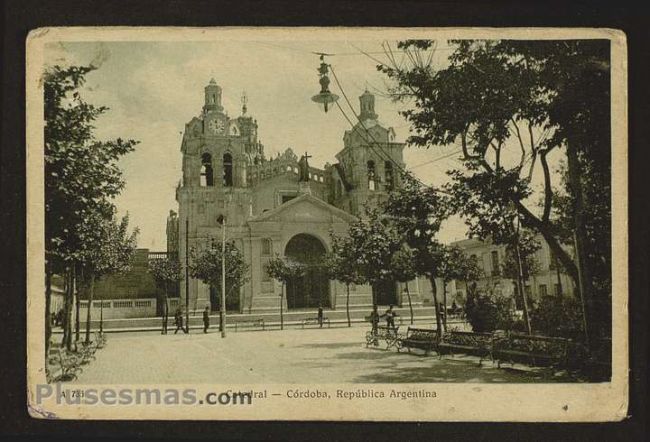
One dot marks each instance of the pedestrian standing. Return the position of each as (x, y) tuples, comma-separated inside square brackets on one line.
[(390, 318), (374, 321), (320, 316), (206, 319)]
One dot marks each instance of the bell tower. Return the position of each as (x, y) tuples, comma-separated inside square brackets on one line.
[(367, 106), (369, 163), (212, 97)]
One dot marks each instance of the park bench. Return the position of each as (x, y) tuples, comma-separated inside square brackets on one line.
[(477, 344), (250, 323), (384, 333), (314, 321), (420, 338), (68, 363), (531, 349)]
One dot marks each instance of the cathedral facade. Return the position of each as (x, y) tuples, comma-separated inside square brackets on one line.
[(279, 206)]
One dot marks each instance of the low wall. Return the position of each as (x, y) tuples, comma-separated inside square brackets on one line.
[(119, 308)]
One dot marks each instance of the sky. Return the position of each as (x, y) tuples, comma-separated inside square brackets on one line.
[(153, 88)]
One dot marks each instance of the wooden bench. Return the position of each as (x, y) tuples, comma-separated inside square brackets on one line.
[(308, 321), (421, 338), (251, 323), (531, 349), (477, 344), (384, 333)]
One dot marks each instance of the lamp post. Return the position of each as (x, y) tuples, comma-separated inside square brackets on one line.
[(222, 309), (187, 280)]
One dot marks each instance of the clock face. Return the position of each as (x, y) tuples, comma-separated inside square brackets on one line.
[(216, 126)]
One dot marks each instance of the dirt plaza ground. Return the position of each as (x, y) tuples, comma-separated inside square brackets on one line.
[(336, 355)]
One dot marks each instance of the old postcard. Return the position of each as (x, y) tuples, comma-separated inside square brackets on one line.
[(372, 224)]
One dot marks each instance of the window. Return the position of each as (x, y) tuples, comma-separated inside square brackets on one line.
[(495, 263), (227, 170), (267, 247), (286, 198), (527, 290), (552, 261), (542, 290), (388, 172), (558, 289), (371, 175), (207, 177)]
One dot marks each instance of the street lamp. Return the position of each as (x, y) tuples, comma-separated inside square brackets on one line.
[(325, 97)]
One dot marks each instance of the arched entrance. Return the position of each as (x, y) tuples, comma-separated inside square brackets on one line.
[(313, 288)]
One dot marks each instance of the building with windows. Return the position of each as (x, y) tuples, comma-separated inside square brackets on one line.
[(279, 205), (548, 280)]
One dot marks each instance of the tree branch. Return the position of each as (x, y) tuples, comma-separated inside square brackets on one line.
[(548, 191)]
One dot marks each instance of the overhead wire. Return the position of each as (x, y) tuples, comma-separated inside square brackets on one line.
[(375, 143)]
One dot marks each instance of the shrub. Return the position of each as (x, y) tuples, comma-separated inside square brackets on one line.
[(557, 316), (487, 312)]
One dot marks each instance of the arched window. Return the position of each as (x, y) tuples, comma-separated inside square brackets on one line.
[(388, 171), (227, 170), (267, 247), (371, 175), (207, 177)]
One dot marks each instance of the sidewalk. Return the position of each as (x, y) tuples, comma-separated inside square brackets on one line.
[(336, 355)]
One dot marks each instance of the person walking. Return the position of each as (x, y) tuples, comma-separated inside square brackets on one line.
[(206, 319), (178, 318), (320, 316)]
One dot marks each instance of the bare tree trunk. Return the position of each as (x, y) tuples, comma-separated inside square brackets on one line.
[(520, 277), (68, 306), (48, 306), (434, 291), (91, 294), (444, 304), (165, 311), (347, 304), (408, 296), (79, 285)]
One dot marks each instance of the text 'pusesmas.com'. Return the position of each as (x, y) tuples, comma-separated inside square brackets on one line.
[(141, 396)]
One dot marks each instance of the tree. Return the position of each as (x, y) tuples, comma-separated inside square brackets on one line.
[(403, 270), (107, 248), (284, 270), (166, 271), (511, 104), (417, 212), (528, 247), (341, 265), (205, 265), (456, 266), (372, 243), (81, 178)]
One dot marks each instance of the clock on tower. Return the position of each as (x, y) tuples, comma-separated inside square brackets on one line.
[(216, 126)]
